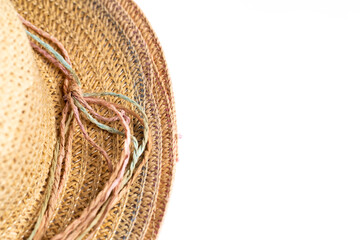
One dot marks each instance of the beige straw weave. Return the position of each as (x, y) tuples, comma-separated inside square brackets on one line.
[(112, 48)]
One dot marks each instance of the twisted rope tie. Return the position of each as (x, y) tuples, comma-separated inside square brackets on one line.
[(122, 175)]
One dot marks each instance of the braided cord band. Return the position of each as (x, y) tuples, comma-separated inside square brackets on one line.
[(123, 173)]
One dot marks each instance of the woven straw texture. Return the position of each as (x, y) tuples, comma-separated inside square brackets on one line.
[(112, 48)]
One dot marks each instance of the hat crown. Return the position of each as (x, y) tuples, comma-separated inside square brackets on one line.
[(25, 120)]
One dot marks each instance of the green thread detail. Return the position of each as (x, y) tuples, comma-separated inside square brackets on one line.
[(51, 181), (138, 150), (103, 126), (56, 55), (93, 120), (102, 94)]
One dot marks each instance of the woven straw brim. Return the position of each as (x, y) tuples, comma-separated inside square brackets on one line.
[(112, 48)]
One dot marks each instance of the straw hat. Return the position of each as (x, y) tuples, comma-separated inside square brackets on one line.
[(111, 48)]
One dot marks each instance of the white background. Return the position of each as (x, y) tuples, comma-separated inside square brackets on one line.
[(268, 97)]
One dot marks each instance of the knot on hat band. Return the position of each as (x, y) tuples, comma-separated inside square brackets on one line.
[(122, 174)]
